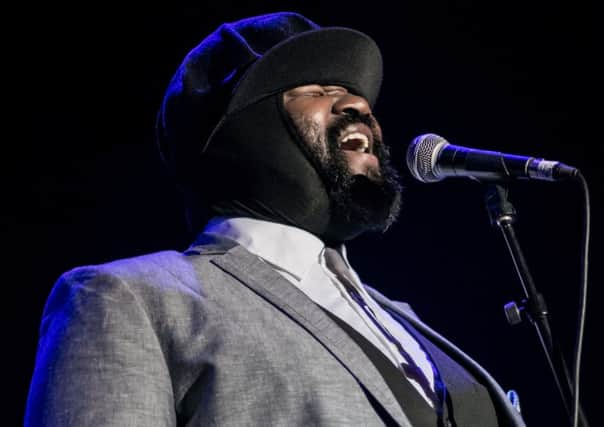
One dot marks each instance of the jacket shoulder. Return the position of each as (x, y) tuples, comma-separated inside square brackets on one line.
[(148, 273)]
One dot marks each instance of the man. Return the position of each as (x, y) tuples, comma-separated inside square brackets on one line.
[(268, 129)]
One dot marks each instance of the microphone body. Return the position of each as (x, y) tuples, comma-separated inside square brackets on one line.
[(431, 158)]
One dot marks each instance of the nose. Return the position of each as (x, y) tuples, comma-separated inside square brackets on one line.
[(349, 102)]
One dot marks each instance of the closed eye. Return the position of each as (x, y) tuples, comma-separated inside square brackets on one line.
[(331, 92), (314, 94), (314, 91)]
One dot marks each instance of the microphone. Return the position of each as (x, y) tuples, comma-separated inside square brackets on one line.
[(430, 158)]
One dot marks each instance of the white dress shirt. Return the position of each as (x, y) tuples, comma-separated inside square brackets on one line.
[(298, 256)]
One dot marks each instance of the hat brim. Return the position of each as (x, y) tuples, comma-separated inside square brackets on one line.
[(328, 56)]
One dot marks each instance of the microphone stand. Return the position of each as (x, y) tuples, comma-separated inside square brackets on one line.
[(503, 215)]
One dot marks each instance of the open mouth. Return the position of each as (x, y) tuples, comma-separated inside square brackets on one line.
[(357, 138)]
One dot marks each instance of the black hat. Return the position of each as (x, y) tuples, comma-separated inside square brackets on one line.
[(246, 61)]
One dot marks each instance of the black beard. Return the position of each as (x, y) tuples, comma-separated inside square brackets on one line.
[(368, 202)]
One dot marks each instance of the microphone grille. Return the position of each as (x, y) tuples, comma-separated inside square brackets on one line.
[(421, 156)]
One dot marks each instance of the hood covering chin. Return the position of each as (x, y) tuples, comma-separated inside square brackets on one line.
[(255, 168)]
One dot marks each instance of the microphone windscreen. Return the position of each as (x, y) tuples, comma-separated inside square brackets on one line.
[(422, 155)]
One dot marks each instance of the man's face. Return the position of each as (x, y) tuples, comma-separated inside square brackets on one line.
[(318, 108), (344, 141)]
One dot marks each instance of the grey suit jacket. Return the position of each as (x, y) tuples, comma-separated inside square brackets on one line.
[(211, 337)]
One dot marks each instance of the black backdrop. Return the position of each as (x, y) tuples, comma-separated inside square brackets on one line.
[(81, 182)]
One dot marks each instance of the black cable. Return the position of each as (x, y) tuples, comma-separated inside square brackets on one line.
[(582, 304)]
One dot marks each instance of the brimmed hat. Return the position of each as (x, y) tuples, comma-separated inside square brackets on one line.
[(245, 61)]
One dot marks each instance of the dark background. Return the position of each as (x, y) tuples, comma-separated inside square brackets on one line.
[(82, 182)]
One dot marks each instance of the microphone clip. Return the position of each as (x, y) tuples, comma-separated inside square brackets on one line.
[(500, 209)]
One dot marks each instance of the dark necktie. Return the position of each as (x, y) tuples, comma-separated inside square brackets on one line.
[(410, 369)]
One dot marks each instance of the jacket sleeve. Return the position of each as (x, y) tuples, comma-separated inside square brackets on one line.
[(99, 361)]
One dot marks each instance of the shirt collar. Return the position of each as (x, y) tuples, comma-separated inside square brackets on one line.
[(289, 248)]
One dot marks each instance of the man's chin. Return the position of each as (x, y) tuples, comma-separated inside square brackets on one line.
[(370, 203), (366, 177)]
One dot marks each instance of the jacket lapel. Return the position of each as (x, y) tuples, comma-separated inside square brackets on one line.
[(270, 285), (406, 313)]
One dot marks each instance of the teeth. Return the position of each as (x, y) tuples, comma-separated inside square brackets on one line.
[(361, 137)]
